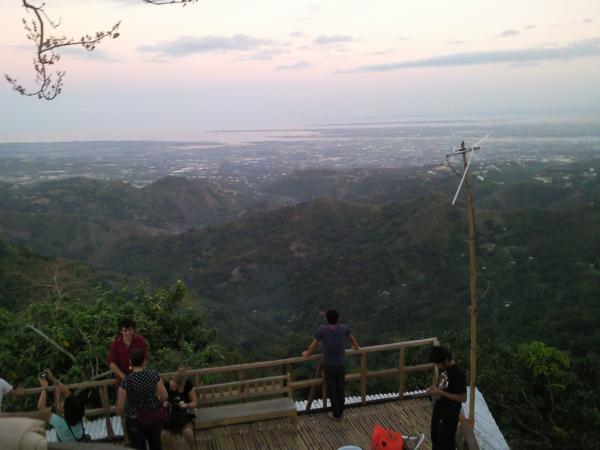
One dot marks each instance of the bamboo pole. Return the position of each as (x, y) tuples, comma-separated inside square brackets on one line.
[(401, 365), (363, 377), (473, 289)]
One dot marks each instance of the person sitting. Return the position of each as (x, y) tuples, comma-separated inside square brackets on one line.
[(67, 416), (183, 400)]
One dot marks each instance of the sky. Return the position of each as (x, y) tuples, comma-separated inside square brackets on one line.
[(176, 71)]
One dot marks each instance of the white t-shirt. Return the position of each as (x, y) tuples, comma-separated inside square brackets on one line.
[(5, 387)]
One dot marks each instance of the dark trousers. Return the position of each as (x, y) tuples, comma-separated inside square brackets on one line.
[(139, 435), (443, 432), (335, 377)]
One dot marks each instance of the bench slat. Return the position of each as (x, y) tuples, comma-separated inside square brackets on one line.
[(245, 412)]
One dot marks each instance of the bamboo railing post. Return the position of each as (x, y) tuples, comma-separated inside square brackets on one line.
[(311, 393), (103, 392), (402, 365), (363, 377), (242, 377)]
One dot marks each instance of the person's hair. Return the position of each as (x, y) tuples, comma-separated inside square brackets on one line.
[(180, 376), (74, 410), (126, 323), (137, 357), (439, 355), (332, 316)]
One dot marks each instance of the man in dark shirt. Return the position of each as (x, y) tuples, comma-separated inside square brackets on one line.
[(449, 394), (333, 337)]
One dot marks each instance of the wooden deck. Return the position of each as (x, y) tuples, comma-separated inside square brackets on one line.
[(315, 431)]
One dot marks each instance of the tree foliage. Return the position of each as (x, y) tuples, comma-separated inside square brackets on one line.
[(79, 331)]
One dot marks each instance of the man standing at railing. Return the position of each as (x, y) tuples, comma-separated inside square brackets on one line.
[(333, 338), (449, 394)]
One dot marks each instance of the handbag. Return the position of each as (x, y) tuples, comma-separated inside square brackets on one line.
[(153, 418), (384, 439)]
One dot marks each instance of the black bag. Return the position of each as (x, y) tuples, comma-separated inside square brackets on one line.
[(179, 417)]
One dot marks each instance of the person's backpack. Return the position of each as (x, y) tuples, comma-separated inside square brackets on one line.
[(384, 439)]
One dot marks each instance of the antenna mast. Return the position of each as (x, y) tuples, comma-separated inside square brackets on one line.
[(464, 179)]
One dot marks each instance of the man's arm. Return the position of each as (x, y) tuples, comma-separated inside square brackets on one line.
[(311, 348), (16, 392), (115, 369), (437, 392), (112, 357), (146, 352), (354, 342), (121, 398)]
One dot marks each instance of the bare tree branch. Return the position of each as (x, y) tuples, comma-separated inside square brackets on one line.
[(52, 341), (50, 85)]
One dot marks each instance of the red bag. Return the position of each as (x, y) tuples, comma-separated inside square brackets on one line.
[(384, 439), (153, 418)]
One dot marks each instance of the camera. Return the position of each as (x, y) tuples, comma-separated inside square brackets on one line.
[(43, 375)]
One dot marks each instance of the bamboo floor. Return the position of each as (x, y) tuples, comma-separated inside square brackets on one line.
[(315, 431)]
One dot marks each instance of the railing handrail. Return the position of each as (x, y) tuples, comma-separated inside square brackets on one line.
[(256, 365), (363, 375)]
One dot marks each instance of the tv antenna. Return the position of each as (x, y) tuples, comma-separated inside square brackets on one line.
[(467, 154)]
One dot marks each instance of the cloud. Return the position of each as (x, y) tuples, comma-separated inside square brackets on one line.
[(81, 53), (296, 66), (382, 52), (588, 20), (456, 42), (529, 27), (297, 34), (581, 49), (332, 39), (207, 44), (264, 55), (508, 33)]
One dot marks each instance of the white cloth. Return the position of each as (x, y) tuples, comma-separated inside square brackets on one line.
[(5, 387), (18, 433)]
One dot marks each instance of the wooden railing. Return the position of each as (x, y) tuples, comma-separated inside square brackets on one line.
[(286, 366)]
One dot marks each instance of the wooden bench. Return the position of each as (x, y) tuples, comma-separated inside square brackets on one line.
[(246, 401)]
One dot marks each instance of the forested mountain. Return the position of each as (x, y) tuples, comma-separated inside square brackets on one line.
[(385, 248), (171, 204), (27, 277)]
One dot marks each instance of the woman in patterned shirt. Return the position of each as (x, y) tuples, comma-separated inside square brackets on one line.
[(143, 392)]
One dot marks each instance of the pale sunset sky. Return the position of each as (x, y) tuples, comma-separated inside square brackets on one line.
[(242, 64)]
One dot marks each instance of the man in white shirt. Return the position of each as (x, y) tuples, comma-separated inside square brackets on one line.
[(7, 389)]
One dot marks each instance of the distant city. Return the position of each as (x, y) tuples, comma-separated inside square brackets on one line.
[(249, 159)]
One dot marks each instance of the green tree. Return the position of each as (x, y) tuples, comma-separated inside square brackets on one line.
[(72, 336)]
